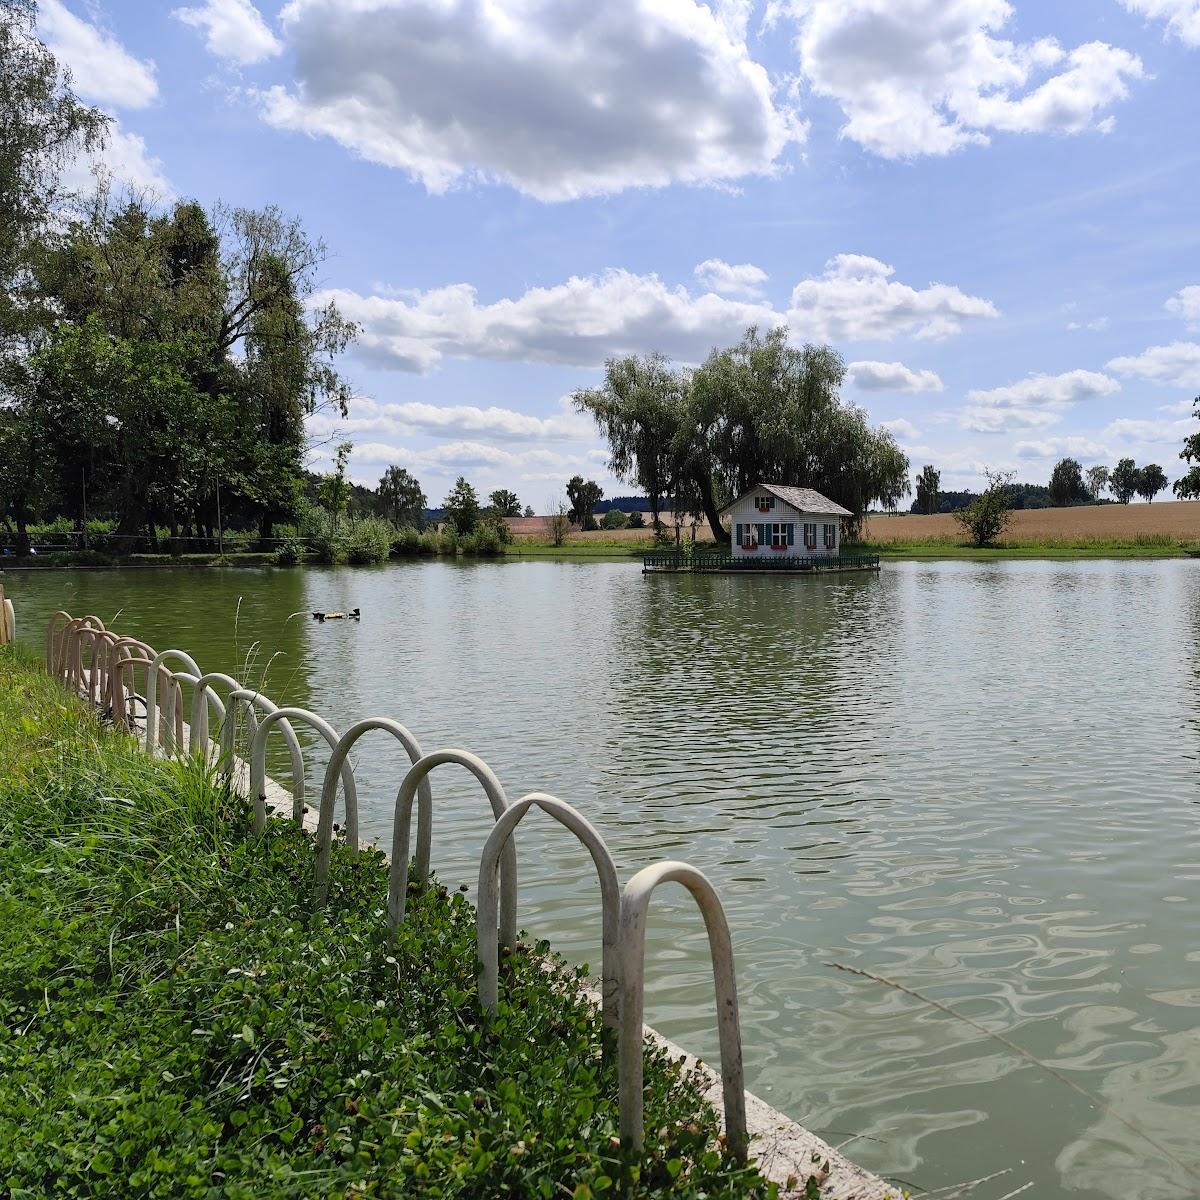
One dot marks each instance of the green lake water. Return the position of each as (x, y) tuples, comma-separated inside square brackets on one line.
[(977, 779)]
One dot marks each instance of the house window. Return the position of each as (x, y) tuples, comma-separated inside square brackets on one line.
[(830, 537), (810, 535), (747, 536), (779, 536), (764, 503)]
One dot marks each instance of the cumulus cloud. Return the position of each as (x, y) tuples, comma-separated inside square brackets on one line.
[(892, 377), (744, 279), (233, 29), (1176, 365), (557, 99), (1096, 325), (906, 431), (102, 69), (124, 158), (1182, 17), (916, 77), (1033, 403), (1186, 304), (590, 318), (1142, 432), (504, 424), (1076, 447), (856, 299)]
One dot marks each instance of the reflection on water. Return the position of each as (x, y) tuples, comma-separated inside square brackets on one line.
[(976, 779)]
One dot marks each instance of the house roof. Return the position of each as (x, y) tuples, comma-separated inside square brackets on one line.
[(805, 500)]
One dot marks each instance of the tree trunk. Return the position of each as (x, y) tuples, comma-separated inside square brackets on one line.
[(22, 531), (704, 485)]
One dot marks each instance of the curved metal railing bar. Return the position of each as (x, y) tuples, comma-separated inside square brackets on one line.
[(171, 711), (487, 897), (252, 700), (129, 653), (258, 769), (71, 652), (53, 637), (197, 733), (635, 901), (8, 619), (402, 824), (340, 761)]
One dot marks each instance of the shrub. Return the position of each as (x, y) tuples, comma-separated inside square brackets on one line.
[(637, 521), (406, 541), (448, 540), (289, 553), (370, 541), (616, 519), (428, 542), (329, 549)]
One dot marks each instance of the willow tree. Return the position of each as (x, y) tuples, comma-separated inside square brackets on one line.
[(761, 411)]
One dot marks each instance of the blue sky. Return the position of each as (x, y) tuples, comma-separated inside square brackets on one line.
[(989, 208)]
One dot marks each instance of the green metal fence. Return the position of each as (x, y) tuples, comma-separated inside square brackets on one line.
[(685, 560)]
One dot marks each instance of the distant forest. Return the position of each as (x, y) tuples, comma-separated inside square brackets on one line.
[(1025, 495)]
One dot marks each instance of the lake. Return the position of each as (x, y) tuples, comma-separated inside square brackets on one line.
[(977, 779)]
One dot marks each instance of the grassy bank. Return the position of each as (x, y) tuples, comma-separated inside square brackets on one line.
[(175, 1020)]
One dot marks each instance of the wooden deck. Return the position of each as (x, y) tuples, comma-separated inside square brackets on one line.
[(675, 562)]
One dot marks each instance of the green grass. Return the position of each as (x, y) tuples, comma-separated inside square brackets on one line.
[(176, 1019), (1142, 545)]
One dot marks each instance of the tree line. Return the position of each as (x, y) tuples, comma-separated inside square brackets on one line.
[(156, 364)]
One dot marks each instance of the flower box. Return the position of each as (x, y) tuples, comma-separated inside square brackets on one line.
[(778, 547)]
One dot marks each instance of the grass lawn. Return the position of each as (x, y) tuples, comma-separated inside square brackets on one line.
[(176, 1019)]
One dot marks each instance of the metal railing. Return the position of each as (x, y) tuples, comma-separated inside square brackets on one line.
[(8, 619), (100, 664), (766, 560)]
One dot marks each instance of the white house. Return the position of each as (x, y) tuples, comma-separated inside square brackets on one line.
[(792, 522)]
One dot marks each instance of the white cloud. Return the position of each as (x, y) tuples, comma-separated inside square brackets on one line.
[(233, 29), (918, 77), (506, 424), (906, 431), (892, 377), (125, 159), (1176, 365), (102, 69), (857, 300), (590, 318), (1182, 16), (1096, 325), (1186, 304), (1142, 432), (557, 99), (1032, 403), (744, 279), (1076, 447)]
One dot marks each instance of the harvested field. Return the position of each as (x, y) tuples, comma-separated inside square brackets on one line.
[(1089, 525)]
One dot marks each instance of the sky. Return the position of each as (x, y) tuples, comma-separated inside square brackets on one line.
[(988, 208)]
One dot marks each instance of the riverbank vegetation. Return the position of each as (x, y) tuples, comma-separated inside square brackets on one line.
[(177, 1020)]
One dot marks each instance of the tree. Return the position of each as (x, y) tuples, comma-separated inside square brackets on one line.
[(560, 521), (401, 497), (1124, 479), (462, 506), (1097, 481), (1151, 480), (762, 410), (43, 126), (1188, 488), (529, 510), (505, 503), (988, 515), (584, 495), (928, 484), (636, 520), (615, 519), (1066, 482), (333, 492)]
